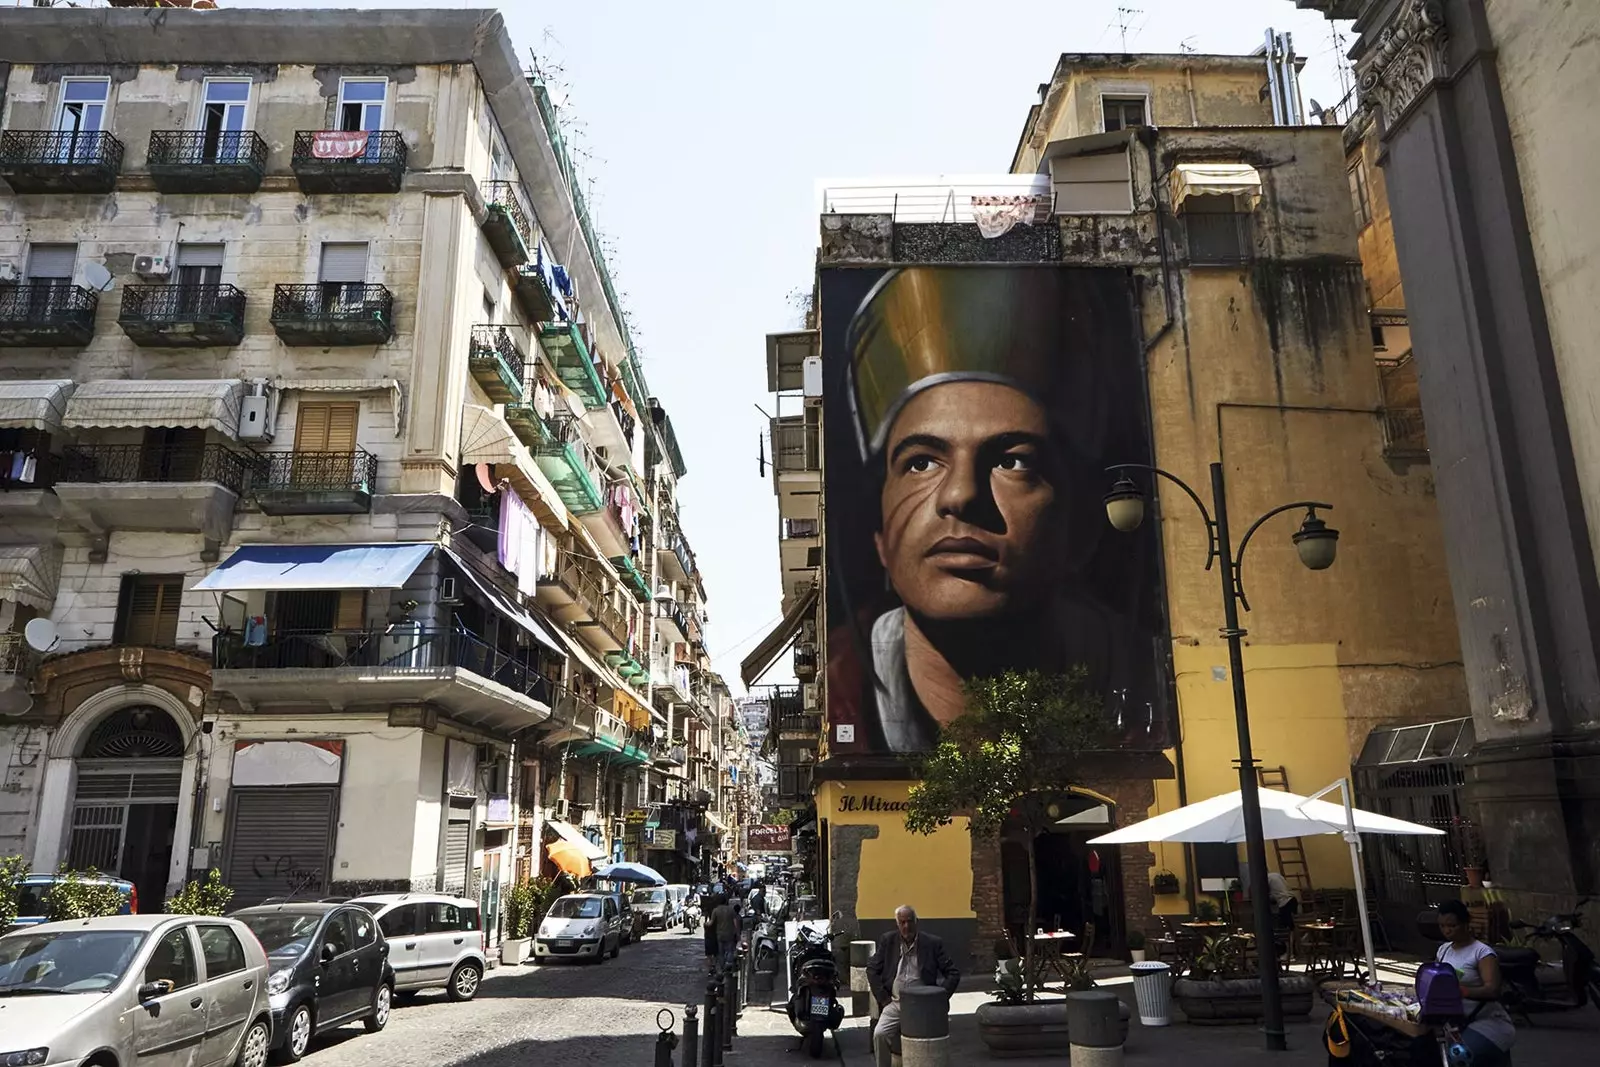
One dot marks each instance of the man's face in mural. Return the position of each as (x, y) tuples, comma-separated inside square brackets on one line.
[(970, 517)]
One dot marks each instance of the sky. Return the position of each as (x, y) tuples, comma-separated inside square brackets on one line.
[(702, 127)]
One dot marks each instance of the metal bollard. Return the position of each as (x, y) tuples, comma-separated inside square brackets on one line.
[(728, 1010), (666, 1040), (735, 999), (711, 1047), (1094, 1028), (924, 1026), (691, 1036), (860, 989)]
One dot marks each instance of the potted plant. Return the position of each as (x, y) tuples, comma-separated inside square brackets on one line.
[(210, 897), (1205, 910), (1165, 883), (1471, 851), (520, 902), (82, 895), (1219, 989), (1136, 945)]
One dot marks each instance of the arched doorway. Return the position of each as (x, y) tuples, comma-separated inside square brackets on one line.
[(125, 801), (1080, 884)]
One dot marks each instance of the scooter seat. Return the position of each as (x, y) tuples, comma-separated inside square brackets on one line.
[(1517, 957)]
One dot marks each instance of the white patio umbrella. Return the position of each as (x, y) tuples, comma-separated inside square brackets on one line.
[(1283, 814)]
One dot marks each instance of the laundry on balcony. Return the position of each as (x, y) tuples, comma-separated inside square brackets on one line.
[(34, 405), (522, 542), (200, 404)]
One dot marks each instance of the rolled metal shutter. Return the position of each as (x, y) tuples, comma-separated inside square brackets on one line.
[(457, 846), (280, 843), (344, 262), (199, 255), (52, 261)]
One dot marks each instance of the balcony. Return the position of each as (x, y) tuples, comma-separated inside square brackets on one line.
[(207, 161), (534, 285), (805, 662), (563, 342), (571, 465), (1219, 238), (575, 595), (14, 696), (50, 161), (496, 363), (623, 661), (670, 621), (632, 577), (468, 680), (528, 425), (796, 446), (46, 315), (182, 316), (333, 313), (338, 161), (508, 223), (315, 483), (135, 487)]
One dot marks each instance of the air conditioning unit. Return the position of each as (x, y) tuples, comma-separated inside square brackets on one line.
[(9, 273), (486, 753), (448, 592), (619, 828), (811, 376), (808, 696), (152, 266), (253, 414), (559, 811)]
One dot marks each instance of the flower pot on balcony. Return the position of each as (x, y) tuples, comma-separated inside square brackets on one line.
[(515, 951)]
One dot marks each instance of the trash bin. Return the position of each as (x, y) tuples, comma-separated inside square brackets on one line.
[(1152, 989)]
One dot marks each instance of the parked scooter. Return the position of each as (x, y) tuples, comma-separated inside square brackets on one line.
[(814, 1007), (1523, 994)]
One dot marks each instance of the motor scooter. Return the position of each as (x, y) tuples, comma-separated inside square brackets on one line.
[(814, 1007), (1522, 992)]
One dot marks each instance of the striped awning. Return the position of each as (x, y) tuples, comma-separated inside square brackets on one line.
[(568, 833), (487, 438), (34, 405), (201, 404), (30, 574)]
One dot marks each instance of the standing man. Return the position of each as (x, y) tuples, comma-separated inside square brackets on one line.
[(904, 956), (1284, 903), (725, 921)]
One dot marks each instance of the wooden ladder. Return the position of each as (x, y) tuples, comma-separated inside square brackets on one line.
[(1290, 851)]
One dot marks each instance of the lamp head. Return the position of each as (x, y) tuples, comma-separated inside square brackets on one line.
[(1316, 542), (1125, 505)]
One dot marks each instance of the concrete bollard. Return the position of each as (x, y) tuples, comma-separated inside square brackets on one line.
[(1094, 1029), (691, 1036), (924, 1026), (860, 988)]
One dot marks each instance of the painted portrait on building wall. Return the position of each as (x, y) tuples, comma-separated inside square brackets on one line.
[(971, 412)]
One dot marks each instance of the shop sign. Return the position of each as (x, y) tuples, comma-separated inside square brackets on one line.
[(768, 839), (871, 802), (637, 816), (665, 840)]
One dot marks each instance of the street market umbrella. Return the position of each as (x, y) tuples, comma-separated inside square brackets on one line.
[(630, 872), (569, 858), (1283, 814)]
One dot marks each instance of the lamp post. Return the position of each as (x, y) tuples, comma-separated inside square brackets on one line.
[(1316, 543)]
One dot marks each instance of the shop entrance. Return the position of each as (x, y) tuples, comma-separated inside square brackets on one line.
[(1080, 885)]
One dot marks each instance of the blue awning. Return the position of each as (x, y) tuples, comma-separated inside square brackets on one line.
[(254, 567)]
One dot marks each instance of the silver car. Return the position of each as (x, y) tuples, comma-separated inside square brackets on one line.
[(435, 941), (151, 990)]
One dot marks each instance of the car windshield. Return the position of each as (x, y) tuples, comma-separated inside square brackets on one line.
[(284, 934), (649, 896), (69, 961), (575, 908)]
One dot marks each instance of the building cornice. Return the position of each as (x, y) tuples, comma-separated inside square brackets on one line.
[(1406, 57)]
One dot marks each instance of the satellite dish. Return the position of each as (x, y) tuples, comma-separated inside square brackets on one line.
[(41, 635), (97, 277)]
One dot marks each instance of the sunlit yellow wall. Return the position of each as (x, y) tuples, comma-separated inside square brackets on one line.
[(932, 873)]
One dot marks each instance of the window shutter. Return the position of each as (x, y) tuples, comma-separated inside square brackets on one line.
[(342, 419), (148, 610), (352, 610), (198, 255), (52, 261), (344, 262), (326, 427)]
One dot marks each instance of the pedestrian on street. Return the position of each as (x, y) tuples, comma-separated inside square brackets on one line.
[(905, 956), (725, 921), (708, 918), (1284, 903)]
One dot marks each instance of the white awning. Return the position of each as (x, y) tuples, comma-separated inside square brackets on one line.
[(716, 824), (568, 833), (350, 385), (201, 404), (34, 405), (30, 574), (487, 438), (256, 567), (1215, 179)]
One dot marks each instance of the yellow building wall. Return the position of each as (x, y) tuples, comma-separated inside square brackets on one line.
[(932, 873)]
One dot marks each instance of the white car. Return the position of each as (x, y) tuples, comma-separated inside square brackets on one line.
[(580, 926), (147, 990), (435, 941)]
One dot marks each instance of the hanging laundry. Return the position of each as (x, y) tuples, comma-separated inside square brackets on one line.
[(255, 631)]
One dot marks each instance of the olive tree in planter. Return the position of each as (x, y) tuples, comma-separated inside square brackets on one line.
[(1022, 734)]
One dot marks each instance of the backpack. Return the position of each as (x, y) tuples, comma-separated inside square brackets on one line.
[(1439, 992)]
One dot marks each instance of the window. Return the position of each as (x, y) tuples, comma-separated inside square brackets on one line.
[(1359, 199), (489, 305), (173, 961), (342, 272), (147, 609), (1120, 112), (401, 922), (318, 610), (442, 918), (172, 454), (361, 103), (50, 269), (326, 427), (337, 934), (222, 951), (223, 107), (198, 264), (83, 105), (361, 923)]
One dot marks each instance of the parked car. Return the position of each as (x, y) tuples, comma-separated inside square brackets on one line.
[(121, 989), (435, 942), (34, 888), (632, 920), (654, 903), (580, 926), (329, 968)]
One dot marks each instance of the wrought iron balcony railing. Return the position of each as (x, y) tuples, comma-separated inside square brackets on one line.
[(497, 364), (207, 161), (113, 464), (60, 161), (183, 315), (333, 313), (354, 471), (337, 161), (46, 313), (12, 657), (509, 224)]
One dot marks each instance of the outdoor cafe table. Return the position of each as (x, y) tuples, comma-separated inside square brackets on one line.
[(1047, 956)]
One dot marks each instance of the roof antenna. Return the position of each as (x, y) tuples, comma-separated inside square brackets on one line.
[(1124, 20)]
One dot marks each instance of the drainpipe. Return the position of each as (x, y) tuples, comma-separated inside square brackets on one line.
[(1194, 111)]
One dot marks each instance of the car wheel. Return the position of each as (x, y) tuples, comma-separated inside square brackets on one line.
[(378, 1018), (298, 1039), (464, 982), (253, 1049)]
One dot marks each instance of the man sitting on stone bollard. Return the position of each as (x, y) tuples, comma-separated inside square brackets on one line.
[(905, 956)]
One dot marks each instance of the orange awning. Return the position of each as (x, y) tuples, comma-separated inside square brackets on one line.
[(569, 858)]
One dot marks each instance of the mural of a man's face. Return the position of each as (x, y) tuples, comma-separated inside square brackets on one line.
[(969, 504)]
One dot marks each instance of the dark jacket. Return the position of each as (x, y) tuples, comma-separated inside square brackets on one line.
[(933, 965)]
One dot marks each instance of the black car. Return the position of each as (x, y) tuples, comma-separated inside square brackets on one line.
[(329, 966)]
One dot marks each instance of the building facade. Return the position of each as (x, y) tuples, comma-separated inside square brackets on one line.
[(334, 490)]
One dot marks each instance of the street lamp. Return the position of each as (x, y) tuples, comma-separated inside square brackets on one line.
[(1317, 544)]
